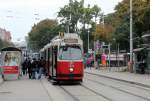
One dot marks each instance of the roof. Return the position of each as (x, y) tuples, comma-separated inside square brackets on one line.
[(146, 35), (138, 49), (10, 49)]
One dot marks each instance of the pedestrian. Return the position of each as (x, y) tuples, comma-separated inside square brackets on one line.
[(29, 67), (88, 62), (41, 67), (24, 67), (33, 68), (84, 61)]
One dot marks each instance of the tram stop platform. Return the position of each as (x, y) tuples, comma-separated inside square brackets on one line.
[(134, 78)]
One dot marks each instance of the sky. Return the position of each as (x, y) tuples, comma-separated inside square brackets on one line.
[(18, 16)]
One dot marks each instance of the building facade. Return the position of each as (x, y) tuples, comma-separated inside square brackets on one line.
[(5, 35)]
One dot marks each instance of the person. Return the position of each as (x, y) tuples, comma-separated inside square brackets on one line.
[(41, 67), (33, 68), (84, 61), (24, 67), (88, 62), (29, 67)]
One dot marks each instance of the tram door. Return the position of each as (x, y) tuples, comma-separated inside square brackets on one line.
[(54, 61), (148, 59)]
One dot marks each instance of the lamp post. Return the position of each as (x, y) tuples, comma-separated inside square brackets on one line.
[(131, 38), (88, 32), (88, 40)]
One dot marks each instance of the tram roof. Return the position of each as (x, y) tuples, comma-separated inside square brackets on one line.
[(57, 40), (73, 36), (10, 49), (48, 45), (41, 50)]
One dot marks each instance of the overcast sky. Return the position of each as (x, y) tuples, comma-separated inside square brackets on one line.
[(18, 16)]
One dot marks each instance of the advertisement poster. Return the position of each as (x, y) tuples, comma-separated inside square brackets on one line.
[(11, 62), (12, 58)]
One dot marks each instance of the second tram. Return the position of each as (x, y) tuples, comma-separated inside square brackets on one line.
[(64, 58)]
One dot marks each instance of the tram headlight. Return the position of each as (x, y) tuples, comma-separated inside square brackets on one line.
[(71, 69)]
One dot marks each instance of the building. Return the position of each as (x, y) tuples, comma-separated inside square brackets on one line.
[(5, 35), (142, 56)]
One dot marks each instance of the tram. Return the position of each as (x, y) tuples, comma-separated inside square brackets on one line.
[(64, 58), (11, 63)]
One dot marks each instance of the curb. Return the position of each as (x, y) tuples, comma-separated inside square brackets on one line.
[(132, 82)]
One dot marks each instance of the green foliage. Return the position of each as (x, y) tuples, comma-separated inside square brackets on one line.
[(73, 12), (42, 33), (121, 18), (1, 44)]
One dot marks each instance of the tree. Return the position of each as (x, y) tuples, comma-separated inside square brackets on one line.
[(74, 13), (96, 12), (120, 21), (42, 33), (1, 44), (71, 14), (103, 32)]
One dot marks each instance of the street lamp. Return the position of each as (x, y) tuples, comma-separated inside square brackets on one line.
[(88, 32), (131, 38), (88, 39)]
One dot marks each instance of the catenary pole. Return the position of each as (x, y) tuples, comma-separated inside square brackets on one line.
[(131, 38)]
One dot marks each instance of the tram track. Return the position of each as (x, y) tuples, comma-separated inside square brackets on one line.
[(70, 94), (74, 97), (122, 82), (127, 92), (97, 93), (130, 82)]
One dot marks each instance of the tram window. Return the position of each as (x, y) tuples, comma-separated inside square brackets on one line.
[(70, 53)]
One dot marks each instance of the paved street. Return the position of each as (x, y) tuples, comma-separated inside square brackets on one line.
[(95, 87)]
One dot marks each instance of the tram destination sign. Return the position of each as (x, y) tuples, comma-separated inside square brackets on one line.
[(71, 40)]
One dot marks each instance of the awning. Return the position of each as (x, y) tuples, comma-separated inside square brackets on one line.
[(137, 49)]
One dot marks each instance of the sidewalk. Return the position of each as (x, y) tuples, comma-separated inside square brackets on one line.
[(138, 79), (1, 80)]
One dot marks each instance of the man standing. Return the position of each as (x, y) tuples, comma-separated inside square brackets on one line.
[(33, 66), (29, 67), (41, 67)]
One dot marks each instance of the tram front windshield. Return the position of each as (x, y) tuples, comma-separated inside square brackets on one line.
[(70, 53)]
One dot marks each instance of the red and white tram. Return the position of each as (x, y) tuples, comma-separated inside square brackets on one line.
[(64, 58)]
